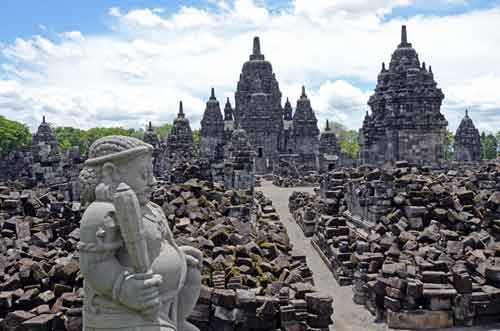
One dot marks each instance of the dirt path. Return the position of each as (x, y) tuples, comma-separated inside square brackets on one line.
[(347, 315)]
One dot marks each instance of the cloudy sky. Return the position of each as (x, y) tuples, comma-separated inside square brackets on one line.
[(93, 63)]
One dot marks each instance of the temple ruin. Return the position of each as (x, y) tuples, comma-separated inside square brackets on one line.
[(467, 143), (405, 121)]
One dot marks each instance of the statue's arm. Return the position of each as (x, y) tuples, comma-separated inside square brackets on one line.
[(104, 275)]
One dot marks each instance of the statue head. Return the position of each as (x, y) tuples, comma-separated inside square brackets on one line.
[(117, 159)]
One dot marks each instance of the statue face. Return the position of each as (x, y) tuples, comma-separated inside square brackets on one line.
[(138, 174)]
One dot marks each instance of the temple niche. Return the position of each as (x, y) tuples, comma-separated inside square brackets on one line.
[(405, 121), (467, 143)]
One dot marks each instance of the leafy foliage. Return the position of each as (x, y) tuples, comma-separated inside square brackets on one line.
[(13, 135), (448, 145), (164, 130), (68, 136), (489, 144), (196, 137), (348, 139)]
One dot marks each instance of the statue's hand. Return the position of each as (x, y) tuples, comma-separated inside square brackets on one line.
[(141, 292), (194, 257)]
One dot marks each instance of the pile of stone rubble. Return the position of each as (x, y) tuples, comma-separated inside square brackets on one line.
[(421, 247), (301, 180), (250, 276), (40, 283)]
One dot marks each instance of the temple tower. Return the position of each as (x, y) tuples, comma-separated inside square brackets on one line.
[(239, 167), (306, 132), (228, 121), (151, 137), (46, 154), (257, 68), (467, 144), (180, 139), (406, 122), (329, 150), (212, 128)]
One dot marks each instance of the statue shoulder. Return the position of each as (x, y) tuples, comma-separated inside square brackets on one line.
[(154, 206), (97, 215)]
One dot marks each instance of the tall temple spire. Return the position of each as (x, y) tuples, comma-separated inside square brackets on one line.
[(228, 111), (383, 66), (303, 95), (43, 119), (212, 94), (150, 127), (256, 46), (181, 110), (404, 37), (466, 113), (256, 53), (327, 126)]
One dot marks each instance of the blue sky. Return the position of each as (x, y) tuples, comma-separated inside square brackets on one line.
[(23, 18), (123, 63)]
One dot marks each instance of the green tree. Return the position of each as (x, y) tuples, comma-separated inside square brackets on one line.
[(196, 137), (347, 139), (68, 136), (349, 143), (164, 130), (13, 135), (489, 144), (448, 145)]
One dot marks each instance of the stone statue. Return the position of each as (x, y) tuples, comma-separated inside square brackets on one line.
[(136, 277)]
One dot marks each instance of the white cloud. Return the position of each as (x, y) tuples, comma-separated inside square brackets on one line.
[(114, 11), (324, 8), (148, 61)]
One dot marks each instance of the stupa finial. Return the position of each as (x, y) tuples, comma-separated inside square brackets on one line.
[(383, 66), (404, 36), (43, 119), (150, 126), (256, 46), (212, 94), (304, 95), (181, 109), (327, 126)]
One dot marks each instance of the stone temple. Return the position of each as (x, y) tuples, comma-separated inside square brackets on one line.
[(406, 122), (45, 151), (180, 138), (273, 131), (467, 144), (329, 149)]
